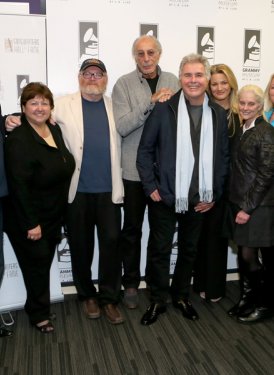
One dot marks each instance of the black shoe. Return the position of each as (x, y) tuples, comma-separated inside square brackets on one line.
[(242, 307), (186, 308), (5, 332), (152, 313), (257, 315)]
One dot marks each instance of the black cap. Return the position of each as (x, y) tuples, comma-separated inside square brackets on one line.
[(93, 62)]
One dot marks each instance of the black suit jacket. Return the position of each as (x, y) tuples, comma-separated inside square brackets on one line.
[(156, 157), (38, 178)]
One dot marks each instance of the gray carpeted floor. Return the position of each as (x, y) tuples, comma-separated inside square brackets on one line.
[(216, 344)]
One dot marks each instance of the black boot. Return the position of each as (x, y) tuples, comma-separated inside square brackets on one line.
[(245, 303), (260, 310), (257, 315)]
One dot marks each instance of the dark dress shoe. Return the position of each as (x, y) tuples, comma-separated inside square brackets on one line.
[(5, 332), (186, 308), (152, 313), (257, 315), (242, 307)]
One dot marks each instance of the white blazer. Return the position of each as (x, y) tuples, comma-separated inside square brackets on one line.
[(68, 114)]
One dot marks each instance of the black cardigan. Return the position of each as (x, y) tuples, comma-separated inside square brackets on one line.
[(38, 178)]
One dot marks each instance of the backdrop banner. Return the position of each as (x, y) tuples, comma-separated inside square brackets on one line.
[(13, 292), (23, 57)]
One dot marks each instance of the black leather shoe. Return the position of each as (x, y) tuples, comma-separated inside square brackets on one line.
[(242, 307), (152, 313), (257, 315), (186, 308), (5, 332)]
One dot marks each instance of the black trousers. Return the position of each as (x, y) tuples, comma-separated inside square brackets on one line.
[(35, 258), (2, 262), (135, 203), (86, 212), (162, 227), (211, 264)]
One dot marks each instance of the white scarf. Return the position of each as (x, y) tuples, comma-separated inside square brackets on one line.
[(185, 157)]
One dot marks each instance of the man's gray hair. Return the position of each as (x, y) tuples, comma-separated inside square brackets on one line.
[(195, 58), (149, 37)]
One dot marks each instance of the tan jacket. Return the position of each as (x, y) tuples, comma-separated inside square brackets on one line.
[(69, 115)]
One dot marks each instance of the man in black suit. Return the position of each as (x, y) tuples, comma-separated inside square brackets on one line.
[(182, 162), (3, 191)]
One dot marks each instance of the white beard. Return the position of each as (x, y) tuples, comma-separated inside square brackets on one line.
[(93, 90)]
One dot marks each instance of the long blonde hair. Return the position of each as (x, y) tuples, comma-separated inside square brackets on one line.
[(232, 81), (268, 105)]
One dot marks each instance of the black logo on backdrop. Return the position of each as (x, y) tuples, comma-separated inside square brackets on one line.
[(205, 43), (149, 29), (88, 40), (252, 48), (22, 81)]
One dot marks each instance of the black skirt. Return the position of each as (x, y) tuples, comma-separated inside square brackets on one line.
[(257, 232)]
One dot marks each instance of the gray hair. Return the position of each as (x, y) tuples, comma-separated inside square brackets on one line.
[(149, 37), (195, 58)]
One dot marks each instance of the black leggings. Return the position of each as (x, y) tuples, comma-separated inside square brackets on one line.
[(254, 258), (248, 258)]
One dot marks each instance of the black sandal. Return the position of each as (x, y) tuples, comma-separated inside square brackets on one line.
[(45, 328)]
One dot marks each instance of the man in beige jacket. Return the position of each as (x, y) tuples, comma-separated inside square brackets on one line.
[(96, 189)]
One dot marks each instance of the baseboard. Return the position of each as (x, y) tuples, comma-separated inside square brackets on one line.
[(71, 289)]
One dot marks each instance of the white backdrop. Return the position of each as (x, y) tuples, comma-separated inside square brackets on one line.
[(118, 24), (23, 56)]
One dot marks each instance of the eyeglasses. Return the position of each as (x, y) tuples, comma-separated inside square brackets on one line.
[(150, 53), (96, 75)]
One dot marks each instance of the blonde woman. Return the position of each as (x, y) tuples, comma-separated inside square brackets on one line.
[(251, 193), (269, 101), (211, 263)]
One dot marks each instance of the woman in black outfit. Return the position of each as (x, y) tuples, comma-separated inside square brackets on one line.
[(251, 195), (39, 169), (211, 263)]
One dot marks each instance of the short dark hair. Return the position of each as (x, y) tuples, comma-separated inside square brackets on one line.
[(33, 89)]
